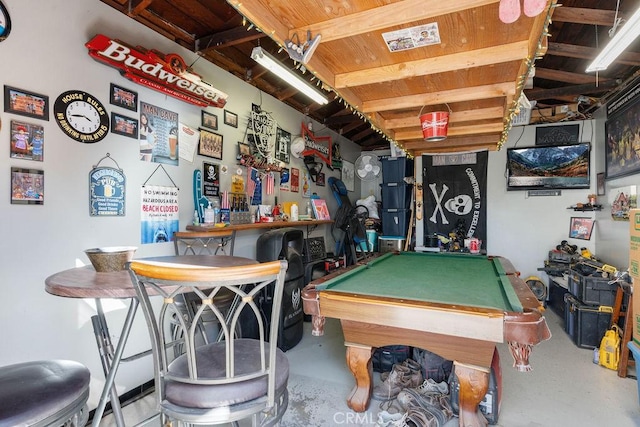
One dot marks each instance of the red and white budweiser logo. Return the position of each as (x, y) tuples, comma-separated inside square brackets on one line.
[(164, 73)]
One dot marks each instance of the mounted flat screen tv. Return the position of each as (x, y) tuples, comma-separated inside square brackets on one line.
[(548, 167)]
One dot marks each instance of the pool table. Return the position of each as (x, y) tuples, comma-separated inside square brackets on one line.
[(458, 306)]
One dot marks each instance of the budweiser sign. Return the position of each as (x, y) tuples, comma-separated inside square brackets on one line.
[(165, 73)]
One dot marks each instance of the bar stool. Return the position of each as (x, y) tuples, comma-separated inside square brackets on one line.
[(214, 242), (44, 393)]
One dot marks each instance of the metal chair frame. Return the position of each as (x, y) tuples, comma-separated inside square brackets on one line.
[(247, 283)]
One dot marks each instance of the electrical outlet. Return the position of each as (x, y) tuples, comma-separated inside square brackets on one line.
[(564, 108)]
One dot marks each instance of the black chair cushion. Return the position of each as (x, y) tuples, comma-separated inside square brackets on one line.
[(33, 391), (211, 365)]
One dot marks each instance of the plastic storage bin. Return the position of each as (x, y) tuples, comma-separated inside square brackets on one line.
[(396, 195), (592, 290), (395, 222), (394, 169), (586, 324)]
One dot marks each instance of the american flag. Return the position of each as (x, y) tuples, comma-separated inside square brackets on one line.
[(271, 182)]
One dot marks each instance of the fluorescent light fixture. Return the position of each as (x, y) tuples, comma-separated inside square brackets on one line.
[(276, 67), (621, 41)]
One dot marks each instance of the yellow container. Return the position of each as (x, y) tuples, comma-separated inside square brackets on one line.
[(610, 348)]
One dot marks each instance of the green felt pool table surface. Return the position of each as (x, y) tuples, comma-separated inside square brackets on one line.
[(445, 278)]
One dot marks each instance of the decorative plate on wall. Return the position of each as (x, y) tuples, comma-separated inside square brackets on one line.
[(5, 22)]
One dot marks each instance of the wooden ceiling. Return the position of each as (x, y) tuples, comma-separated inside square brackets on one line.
[(477, 71)]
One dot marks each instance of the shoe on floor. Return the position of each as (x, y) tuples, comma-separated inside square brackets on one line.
[(400, 377), (386, 419), (436, 404), (409, 363)]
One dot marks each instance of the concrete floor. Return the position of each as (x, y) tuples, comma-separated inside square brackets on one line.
[(565, 388)]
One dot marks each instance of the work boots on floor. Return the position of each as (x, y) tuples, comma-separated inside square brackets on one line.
[(403, 375)]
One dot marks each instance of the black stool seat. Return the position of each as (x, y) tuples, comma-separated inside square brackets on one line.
[(43, 393)]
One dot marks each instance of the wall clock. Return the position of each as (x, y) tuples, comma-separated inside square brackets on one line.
[(81, 116), (5, 22)]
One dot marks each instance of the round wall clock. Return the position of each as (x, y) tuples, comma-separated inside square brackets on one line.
[(5, 22), (81, 116)]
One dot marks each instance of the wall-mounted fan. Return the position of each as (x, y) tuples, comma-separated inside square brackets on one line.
[(368, 167)]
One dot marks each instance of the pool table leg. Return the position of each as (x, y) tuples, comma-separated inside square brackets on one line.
[(474, 384), (359, 362)]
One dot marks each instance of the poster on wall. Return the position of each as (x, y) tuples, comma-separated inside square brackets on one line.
[(256, 197), (158, 213), (622, 155), (158, 135), (455, 196), (295, 180), (306, 184), (285, 180), (211, 179), (621, 200)]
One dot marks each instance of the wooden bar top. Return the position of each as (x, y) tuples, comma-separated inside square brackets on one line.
[(260, 225), (86, 282)]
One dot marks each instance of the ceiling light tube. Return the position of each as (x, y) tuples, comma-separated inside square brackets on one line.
[(618, 44), (276, 67)]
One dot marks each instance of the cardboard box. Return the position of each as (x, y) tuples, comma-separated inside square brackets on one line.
[(634, 267)]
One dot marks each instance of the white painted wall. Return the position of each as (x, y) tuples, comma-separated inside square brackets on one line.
[(45, 54)]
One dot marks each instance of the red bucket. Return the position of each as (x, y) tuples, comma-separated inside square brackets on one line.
[(435, 125)]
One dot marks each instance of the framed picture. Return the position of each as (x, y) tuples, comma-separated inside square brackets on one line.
[(27, 186), (124, 98), (621, 158), (348, 175), (123, 125), (600, 184), (581, 228), (19, 101), (244, 149), (230, 118), (27, 141), (210, 144), (209, 120), (283, 145)]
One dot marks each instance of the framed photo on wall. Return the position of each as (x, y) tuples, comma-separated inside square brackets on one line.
[(123, 125), (27, 186), (25, 103), (623, 124), (581, 228), (230, 118), (122, 97), (210, 144), (209, 120), (27, 141)]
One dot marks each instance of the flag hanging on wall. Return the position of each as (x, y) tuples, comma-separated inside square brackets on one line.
[(454, 196)]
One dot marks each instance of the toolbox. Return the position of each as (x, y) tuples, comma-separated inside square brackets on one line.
[(586, 324), (592, 289)]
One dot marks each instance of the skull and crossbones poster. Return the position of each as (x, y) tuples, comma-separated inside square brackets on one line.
[(455, 194)]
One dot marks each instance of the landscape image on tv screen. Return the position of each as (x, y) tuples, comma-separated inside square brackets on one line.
[(560, 166)]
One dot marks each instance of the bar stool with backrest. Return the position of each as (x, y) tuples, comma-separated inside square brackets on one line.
[(225, 381), (44, 393), (217, 241)]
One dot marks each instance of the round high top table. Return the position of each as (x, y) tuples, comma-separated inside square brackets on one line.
[(85, 282)]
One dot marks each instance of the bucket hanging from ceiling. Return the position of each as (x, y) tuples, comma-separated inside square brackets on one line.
[(435, 125)]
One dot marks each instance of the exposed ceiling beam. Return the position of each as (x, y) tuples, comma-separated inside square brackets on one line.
[(476, 58), (453, 131), (535, 94), (497, 90), (223, 39), (565, 76), (580, 15), (455, 117), (378, 18), (584, 52)]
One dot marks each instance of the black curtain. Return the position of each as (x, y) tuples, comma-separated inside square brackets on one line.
[(454, 195)]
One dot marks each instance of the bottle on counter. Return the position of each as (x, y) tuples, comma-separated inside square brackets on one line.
[(196, 218), (309, 210), (216, 209), (294, 212), (209, 215)]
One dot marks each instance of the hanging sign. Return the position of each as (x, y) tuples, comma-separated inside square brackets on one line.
[(317, 145), (106, 192), (165, 73)]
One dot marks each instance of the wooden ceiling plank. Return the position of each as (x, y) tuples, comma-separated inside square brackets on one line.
[(440, 64), (453, 131), (382, 17), (565, 76), (580, 15), (138, 6), (232, 37), (584, 52), (444, 97), (481, 142), (535, 94)]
